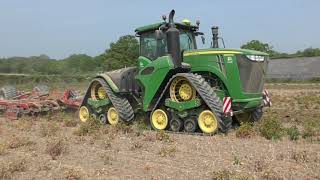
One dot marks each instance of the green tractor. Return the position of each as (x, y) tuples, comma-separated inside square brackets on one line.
[(180, 87)]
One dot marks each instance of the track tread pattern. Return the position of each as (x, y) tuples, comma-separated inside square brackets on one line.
[(208, 96), (122, 105), (256, 114)]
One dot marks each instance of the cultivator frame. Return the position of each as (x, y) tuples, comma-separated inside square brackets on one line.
[(16, 108), (70, 99), (36, 102)]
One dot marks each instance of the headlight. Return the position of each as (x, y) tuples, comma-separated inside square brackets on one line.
[(255, 57)]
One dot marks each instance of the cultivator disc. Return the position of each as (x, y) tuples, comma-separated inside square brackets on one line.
[(41, 90), (8, 92)]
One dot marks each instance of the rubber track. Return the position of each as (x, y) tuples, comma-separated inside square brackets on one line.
[(122, 105), (208, 96), (257, 114)]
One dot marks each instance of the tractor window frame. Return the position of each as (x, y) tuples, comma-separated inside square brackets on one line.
[(158, 48), (192, 44)]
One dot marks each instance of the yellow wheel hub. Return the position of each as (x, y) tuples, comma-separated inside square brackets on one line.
[(113, 116), (159, 119), (97, 91), (102, 94), (181, 90), (185, 91), (84, 114), (208, 122)]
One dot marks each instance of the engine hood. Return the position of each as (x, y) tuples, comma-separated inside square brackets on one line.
[(223, 51)]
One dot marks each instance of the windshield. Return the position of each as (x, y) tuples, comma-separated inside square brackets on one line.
[(152, 48)]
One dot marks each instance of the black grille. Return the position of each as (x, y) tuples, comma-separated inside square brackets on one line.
[(252, 74)]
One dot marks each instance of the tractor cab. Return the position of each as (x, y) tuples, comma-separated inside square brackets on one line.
[(154, 44)]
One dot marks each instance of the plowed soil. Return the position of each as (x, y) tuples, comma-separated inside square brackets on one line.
[(49, 147)]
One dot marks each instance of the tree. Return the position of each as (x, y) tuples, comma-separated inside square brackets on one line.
[(311, 52), (122, 53), (259, 46)]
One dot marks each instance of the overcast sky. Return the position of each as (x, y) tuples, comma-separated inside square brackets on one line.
[(59, 28)]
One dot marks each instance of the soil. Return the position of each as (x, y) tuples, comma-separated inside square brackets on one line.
[(26, 150)]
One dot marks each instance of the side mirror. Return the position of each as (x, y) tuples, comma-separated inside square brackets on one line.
[(203, 39), (159, 34)]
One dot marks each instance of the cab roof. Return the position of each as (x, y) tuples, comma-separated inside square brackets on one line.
[(152, 27)]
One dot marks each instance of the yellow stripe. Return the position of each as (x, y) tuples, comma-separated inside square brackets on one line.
[(211, 52)]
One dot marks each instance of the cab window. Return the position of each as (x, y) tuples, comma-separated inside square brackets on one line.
[(152, 48), (186, 41)]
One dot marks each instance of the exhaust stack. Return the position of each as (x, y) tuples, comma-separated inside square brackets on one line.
[(215, 36), (173, 41)]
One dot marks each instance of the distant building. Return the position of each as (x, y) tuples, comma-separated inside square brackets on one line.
[(294, 68)]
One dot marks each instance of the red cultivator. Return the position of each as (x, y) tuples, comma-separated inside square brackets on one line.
[(17, 103), (70, 99)]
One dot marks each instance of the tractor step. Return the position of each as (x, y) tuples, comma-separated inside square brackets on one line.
[(181, 106)]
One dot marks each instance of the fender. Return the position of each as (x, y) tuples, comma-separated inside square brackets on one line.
[(109, 81), (104, 77), (214, 71)]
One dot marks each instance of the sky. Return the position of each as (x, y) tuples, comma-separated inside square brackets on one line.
[(59, 28)]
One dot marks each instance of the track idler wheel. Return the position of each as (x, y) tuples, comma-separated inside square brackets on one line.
[(208, 122), (159, 119), (97, 91), (103, 118), (113, 116), (190, 125), (176, 125), (84, 114), (252, 116), (181, 90)]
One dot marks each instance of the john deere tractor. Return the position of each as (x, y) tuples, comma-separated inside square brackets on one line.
[(179, 87)]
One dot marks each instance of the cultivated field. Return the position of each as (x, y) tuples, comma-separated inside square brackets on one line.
[(284, 145)]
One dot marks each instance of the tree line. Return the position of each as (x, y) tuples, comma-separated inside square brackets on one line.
[(122, 53), (265, 47)]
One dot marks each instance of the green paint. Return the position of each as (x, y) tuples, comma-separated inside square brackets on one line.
[(151, 82), (230, 78), (149, 27), (227, 51), (98, 103), (250, 104), (143, 62), (153, 27), (152, 74), (181, 106), (109, 81)]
